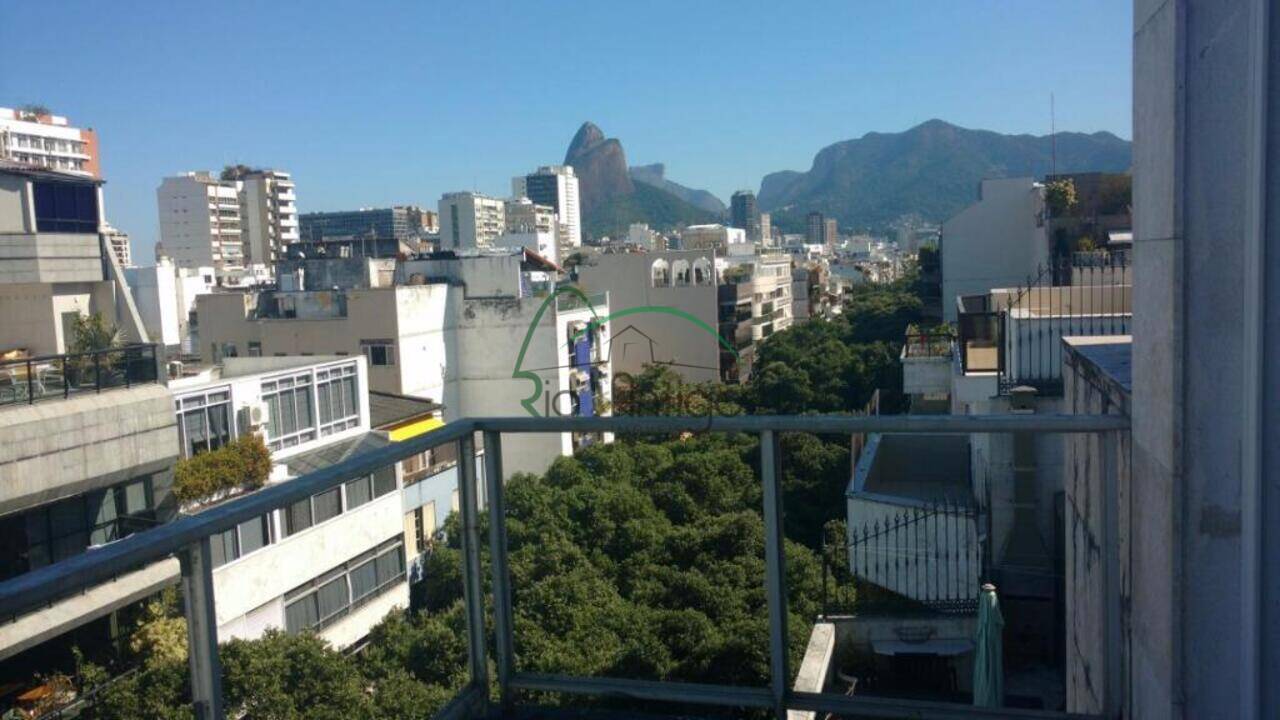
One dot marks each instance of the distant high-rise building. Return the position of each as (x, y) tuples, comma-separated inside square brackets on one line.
[(743, 214), (401, 222), (523, 216), (269, 212), (469, 220), (557, 187), (815, 229), (118, 241), (200, 222), (36, 137), (766, 229), (830, 232)]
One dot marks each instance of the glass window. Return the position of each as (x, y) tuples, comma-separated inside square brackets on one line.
[(328, 505), (364, 579), (222, 547), (289, 403), (298, 517), (333, 597), (254, 534), (66, 207), (384, 481), (390, 565), (359, 492), (103, 512), (301, 614)]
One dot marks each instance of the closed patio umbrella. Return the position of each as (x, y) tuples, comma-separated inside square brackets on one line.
[(988, 658)]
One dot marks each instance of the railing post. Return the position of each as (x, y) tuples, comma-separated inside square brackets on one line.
[(1113, 677), (202, 631), (97, 372), (775, 572), (66, 380), (31, 396), (503, 623), (472, 587)]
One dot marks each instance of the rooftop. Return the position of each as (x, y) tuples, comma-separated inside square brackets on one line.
[(334, 453), (390, 408), (1111, 355)]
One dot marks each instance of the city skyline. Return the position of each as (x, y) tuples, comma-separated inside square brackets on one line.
[(366, 118)]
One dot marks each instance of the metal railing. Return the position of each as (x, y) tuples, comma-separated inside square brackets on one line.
[(30, 380), (927, 345), (189, 539), (927, 557)]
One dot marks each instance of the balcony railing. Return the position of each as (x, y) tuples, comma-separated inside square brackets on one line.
[(190, 540), (30, 380), (928, 345)]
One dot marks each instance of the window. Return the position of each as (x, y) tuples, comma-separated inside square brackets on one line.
[(359, 492), (65, 207), (379, 352), (424, 525), (240, 540), (255, 348), (290, 419), (384, 481), (318, 603), (66, 528), (337, 398), (204, 422), (327, 505), (298, 517)]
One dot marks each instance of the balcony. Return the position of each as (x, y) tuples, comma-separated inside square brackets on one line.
[(926, 362), (27, 381), (487, 614)]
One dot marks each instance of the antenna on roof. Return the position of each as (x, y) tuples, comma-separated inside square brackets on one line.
[(1053, 139)]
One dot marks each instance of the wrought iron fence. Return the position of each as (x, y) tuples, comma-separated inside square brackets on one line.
[(927, 344), (924, 558), (29, 380)]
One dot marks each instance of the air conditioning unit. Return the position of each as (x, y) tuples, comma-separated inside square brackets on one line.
[(254, 418)]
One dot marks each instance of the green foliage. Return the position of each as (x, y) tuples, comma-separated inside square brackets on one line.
[(288, 677), (1060, 195), (91, 333), (161, 634), (245, 461)]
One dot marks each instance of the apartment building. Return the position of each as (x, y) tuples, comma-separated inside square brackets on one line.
[(37, 138), (533, 226), (745, 216), (268, 211), (554, 186), (999, 241), (334, 563), (201, 224), (89, 438), (118, 243), (682, 280), (470, 220), (455, 328), (711, 237), (754, 298), (369, 232)]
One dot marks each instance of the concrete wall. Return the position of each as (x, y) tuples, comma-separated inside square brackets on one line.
[(61, 448), (155, 293), (655, 338), (1098, 486), (1206, 394), (993, 243), (50, 258)]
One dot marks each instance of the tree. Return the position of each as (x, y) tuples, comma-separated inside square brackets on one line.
[(290, 677), (243, 462), (1060, 196)]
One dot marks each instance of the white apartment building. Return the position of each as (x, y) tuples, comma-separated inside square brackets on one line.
[(999, 241), (201, 223), (333, 563), (470, 220), (555, 186), (450, 328), (269, 211), (118, 243), (711, 237), (48, 141)]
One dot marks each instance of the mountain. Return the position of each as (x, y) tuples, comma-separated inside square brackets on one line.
[(655, 175), (931, 170), (610, 201)]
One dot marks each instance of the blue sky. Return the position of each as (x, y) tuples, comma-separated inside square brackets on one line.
[(394, 103)]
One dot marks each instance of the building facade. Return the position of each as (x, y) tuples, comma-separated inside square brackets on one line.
[(744, 215), (470, 220), (555, 186), (401, 222), (269, 214), (39, 139), (201, 224)]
